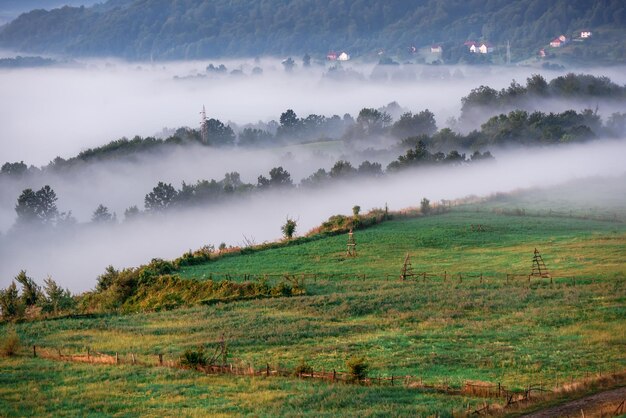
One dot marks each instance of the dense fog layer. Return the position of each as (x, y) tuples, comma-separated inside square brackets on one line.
[(60, 111), (75, 258)]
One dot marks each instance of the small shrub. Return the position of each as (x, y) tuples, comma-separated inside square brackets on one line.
[(425, 206), (289, 228), (281, 289), (10, 343), (303, 368), (193, 358), (357, 367)]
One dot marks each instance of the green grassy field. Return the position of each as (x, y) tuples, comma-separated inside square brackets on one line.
[(494, 331), (582, 248), (34, 387)]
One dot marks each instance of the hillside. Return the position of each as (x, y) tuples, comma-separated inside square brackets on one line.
[(144, 29), (10, 9), (441, 329)]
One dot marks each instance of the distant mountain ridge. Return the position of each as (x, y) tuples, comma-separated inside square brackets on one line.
[(144, 29), (10, 9)]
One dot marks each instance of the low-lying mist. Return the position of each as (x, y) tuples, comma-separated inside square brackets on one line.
[(62, 110), (75, 257)]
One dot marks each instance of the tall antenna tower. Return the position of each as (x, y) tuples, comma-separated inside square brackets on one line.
[(204, 131), (351, 251), (508, 53), (539, 267), (407, 268)]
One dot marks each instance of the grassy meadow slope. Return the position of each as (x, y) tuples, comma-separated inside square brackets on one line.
[(446, 243), (34, 387), (496, 331)]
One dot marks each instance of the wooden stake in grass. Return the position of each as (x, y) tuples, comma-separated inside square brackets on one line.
[(407, 268), (351, 251), (539, 268)]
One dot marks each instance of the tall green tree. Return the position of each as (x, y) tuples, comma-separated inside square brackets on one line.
[(37, 207), (10, 302), (161, 197), (102, 215), (31, 292), (289, 228)]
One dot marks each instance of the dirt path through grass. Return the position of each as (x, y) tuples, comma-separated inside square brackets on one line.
[(601, 404)]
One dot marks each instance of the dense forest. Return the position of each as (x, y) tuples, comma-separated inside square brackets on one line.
[(144, 29)]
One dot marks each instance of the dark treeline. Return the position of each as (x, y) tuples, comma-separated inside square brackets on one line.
[(38, 208), (186, 29), (369, 124), (567, 87), (519, 128), (394, 121), (516, 128), (26, 62)]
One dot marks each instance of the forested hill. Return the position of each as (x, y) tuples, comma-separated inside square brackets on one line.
[(141, 29)]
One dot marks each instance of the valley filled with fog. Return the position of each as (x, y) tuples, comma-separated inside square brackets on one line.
[(63, 110)]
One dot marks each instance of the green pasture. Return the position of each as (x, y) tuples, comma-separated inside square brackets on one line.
[(505, 244), (36, 387), (513, 332)]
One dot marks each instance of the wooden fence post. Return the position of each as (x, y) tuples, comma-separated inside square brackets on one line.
[(391, 380), (460, 278), (268, 369), (445, 275), (481, 277), (34, 351), (132, 358), (117, 358), (160, 359), (334, 375), (88, 354)]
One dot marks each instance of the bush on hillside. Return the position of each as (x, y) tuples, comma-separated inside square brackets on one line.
[(193, 358), (357, 367), (10, 343)]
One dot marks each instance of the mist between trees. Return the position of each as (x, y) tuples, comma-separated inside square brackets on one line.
[(414, 134)]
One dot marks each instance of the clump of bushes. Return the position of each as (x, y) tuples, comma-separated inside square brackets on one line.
[(33, 300), (196, 257), (302, 368), (10, 343), (193, 358), (357, 368), (149, 288)]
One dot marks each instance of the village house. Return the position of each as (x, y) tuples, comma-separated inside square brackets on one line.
[(344, 56), (585, 34), (558, 42), (485, 48), (471, 45), (436, 49), (331, 56), (479, 47)]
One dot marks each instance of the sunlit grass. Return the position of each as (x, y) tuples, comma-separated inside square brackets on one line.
[(497, 331), (36, 387)]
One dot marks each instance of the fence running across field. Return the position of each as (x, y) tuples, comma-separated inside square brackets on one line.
[(467, 388), (423, 276)]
